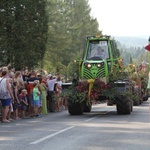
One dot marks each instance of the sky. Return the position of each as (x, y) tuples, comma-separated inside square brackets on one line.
[(122, 17)]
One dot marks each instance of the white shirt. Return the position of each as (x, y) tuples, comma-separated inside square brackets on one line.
[(51, 84)]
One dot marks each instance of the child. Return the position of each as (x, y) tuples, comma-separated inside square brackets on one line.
[(59, 90), (16, 102), (24, 102), (57, 102), (36, 98)]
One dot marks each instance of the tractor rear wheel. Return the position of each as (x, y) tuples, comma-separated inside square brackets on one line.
[(123, 105)]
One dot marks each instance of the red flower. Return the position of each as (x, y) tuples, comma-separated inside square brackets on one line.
[(98, 87)]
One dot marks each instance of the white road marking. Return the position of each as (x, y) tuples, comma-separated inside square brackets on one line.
[(91, 118), (51, 135), (98, 115), (61, 131)]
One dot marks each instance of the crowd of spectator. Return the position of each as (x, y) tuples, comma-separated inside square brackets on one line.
[(28, 93)]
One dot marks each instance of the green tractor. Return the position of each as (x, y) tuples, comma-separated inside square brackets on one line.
[(101, 59)]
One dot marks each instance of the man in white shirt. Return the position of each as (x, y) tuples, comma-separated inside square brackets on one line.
[(50, 85)]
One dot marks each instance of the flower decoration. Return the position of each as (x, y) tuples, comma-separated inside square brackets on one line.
[(87, 90), (93, 89)]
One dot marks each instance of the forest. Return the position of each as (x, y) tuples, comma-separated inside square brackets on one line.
[(49, 34)]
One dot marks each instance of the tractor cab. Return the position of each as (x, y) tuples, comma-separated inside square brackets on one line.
[(100, 55)]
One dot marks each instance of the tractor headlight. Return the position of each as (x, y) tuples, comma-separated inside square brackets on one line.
[(98, 65), (88, 66)]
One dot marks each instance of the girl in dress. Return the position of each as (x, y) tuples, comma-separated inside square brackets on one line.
[(43, 89)]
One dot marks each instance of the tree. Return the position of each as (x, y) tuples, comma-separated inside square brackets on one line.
[(24, 32), (45, 33), (68, 29)]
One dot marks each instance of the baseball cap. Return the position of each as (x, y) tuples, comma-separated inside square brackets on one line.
[(50, 75)]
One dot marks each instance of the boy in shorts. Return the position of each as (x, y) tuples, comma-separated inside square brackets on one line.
[(36, 98), (24, 102)]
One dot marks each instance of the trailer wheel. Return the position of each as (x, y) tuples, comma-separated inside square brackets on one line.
[(123, 105), (141, 101), (136, 102), (145, 98)]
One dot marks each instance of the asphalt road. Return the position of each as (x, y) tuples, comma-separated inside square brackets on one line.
[(101, 129)]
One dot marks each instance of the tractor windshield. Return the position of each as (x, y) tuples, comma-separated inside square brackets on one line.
[(97, 50)]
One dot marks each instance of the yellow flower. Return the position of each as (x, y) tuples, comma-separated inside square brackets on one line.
[(91, 82)]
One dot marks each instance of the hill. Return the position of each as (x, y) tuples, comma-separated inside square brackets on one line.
[(132, 41)]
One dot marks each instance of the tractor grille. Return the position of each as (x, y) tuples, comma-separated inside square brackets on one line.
[(94, 72)]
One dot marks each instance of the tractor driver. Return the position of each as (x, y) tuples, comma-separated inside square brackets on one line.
[(100, 53)]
